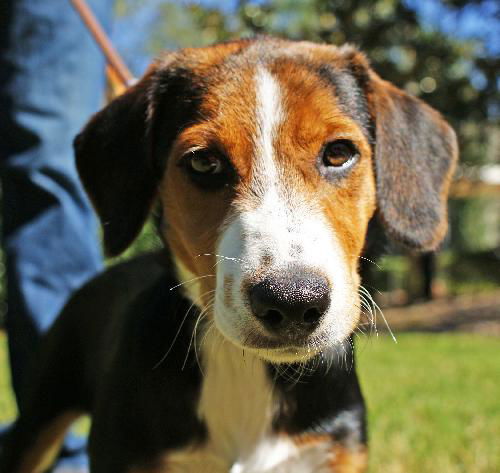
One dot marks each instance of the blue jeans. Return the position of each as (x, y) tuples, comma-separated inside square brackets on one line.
[(51, 81)]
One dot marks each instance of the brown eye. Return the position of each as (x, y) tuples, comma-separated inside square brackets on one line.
[(204, 163), (340, 154), (208, 169)]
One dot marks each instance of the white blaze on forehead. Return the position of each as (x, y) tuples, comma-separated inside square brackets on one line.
[(280, 212), (269, 114), (273, 208)]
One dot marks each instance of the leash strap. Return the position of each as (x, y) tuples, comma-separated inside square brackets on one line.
[(119, 75)]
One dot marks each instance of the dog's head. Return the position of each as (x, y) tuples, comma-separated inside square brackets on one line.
[(269, 158)]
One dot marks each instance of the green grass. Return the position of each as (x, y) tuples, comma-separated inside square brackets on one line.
[(7, 403), (434, 402)]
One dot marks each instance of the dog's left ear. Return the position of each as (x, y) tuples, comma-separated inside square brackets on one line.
[(415, 155)]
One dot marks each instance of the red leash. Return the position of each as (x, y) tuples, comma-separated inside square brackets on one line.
[(117, 68)]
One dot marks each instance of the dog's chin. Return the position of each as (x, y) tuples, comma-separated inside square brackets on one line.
[(273, 350), (288, 355)]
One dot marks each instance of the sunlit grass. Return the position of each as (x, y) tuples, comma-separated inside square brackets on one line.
[(434, 403), (7, 403)]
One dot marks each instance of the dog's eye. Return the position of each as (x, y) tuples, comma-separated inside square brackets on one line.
[(340, 154), (208, 169), (204, 163)]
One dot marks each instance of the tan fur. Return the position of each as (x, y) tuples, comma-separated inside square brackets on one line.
[(41, 455), (341, 459)]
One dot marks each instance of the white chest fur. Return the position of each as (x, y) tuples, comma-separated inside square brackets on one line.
[(236, 403), (236, 398)]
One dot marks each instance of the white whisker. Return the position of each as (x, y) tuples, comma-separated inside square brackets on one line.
[(191, 280), (376, 308), (179, 329)]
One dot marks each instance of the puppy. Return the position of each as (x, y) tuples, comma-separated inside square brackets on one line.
[(230, 350)]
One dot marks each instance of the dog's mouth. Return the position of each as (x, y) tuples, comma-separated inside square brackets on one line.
[(288, 350), (282, 353), (282, 350), (290, 343), (286, 355)]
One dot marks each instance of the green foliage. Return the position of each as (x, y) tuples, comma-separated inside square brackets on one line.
[(475, 224), (466, 272)]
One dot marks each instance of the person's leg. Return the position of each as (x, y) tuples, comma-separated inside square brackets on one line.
[(51, 80)]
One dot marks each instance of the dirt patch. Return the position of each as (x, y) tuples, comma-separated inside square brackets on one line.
[(476, 313)]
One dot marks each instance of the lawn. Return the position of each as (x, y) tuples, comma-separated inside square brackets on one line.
[(434, 402), (7, 404)]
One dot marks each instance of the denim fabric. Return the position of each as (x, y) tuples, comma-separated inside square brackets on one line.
[(51, 81)]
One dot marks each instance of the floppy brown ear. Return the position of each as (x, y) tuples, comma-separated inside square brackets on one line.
[(120, 154), (415, 155)]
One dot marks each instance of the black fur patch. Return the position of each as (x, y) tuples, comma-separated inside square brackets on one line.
[(350, 94), (322, 401)]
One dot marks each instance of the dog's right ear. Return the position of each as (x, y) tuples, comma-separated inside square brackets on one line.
[(113, 157), (121, 153)]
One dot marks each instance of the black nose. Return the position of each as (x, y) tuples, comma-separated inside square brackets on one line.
[(296, 300)]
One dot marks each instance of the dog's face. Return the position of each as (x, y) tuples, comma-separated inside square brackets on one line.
[(269, 159)]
